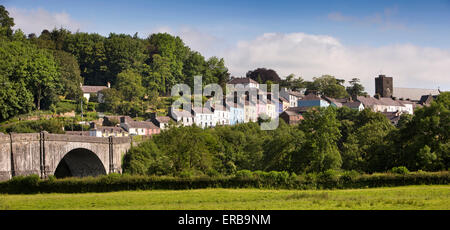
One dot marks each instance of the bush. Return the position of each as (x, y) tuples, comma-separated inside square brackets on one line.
[(244, 174), (400, 170), (242, 179), (329, 179)]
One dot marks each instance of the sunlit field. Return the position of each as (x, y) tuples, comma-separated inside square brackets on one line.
[(407, 197)]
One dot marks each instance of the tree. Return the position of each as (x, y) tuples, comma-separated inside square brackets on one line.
[(123, 52), (328, 86), (424, 140), (166, 50), (70, 78), (36, 68), (216, 72), (129, 84), (264, 75), (291, 82), (6, 22), (355, 88), (14, 98), (320, 151), (89, 50)]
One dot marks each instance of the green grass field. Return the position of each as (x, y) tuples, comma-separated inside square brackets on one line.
[(408, 197)]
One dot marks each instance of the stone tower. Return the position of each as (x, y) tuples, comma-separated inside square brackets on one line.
[(384, 86)]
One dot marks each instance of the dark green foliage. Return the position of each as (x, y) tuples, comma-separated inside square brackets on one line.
[(51, 126), (328, 86), (262, 75), (400, 170), (273, 180), (6, 22)]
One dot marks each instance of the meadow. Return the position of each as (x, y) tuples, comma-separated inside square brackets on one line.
[(422, 197)]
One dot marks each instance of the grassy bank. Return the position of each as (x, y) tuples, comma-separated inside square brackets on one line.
[(406, 197)]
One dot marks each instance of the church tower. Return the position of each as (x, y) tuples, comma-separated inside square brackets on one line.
[(384, 86)]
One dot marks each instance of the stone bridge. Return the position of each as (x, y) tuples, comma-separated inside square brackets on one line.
[(60, 155)]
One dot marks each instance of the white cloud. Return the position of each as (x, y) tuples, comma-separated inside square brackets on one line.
[(207, 44), (314, 55), (36, 20), (204, 43), (382, 20)]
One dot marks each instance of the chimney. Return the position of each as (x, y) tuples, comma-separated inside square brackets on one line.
[(108, 84)]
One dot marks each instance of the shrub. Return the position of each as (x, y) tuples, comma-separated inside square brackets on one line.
[(400, 170), (242, 179), (329, 179), (244, 174)]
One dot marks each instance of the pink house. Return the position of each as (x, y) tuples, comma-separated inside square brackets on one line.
[(261, 107)]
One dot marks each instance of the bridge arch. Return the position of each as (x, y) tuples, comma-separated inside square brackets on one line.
[(79, 162)]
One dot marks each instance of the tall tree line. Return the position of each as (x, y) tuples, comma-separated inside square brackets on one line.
[(59, 61)]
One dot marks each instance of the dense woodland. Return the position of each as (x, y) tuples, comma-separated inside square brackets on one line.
[(44, 72)]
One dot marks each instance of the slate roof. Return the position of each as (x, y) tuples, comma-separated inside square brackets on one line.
[(311, 97), (92, 88), (201, 110), (163, 119), (352, 104), (413, 93), (142, 124), (242, 80), (109, 129)]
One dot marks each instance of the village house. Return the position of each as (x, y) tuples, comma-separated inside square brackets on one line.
[(245, 82), (311, 100), (393, 117), (181, 116), (354, 105), (291, 96), (89, 90), (203, 117), (293, 115), (250, 113), (337, 103), (107, 131), (141, 128), (283, 104), (261, 105), (236, 113), (427, 99), (221, 115), (160, 121), (385, 104)]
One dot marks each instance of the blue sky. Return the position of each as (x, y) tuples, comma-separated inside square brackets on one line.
[(224, 28)]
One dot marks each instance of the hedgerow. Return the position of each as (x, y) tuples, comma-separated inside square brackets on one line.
[(242, 179)]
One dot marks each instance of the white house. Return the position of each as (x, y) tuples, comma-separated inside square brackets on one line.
[(386, 104), (221, 115), (91, 89), (107, 131), (181, 116), (246, 82), (291, 96), (203, 117)]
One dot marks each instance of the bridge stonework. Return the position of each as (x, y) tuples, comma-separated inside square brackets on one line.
[(40, 153)]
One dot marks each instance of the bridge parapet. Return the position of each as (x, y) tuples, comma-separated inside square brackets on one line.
[(74, 138)]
